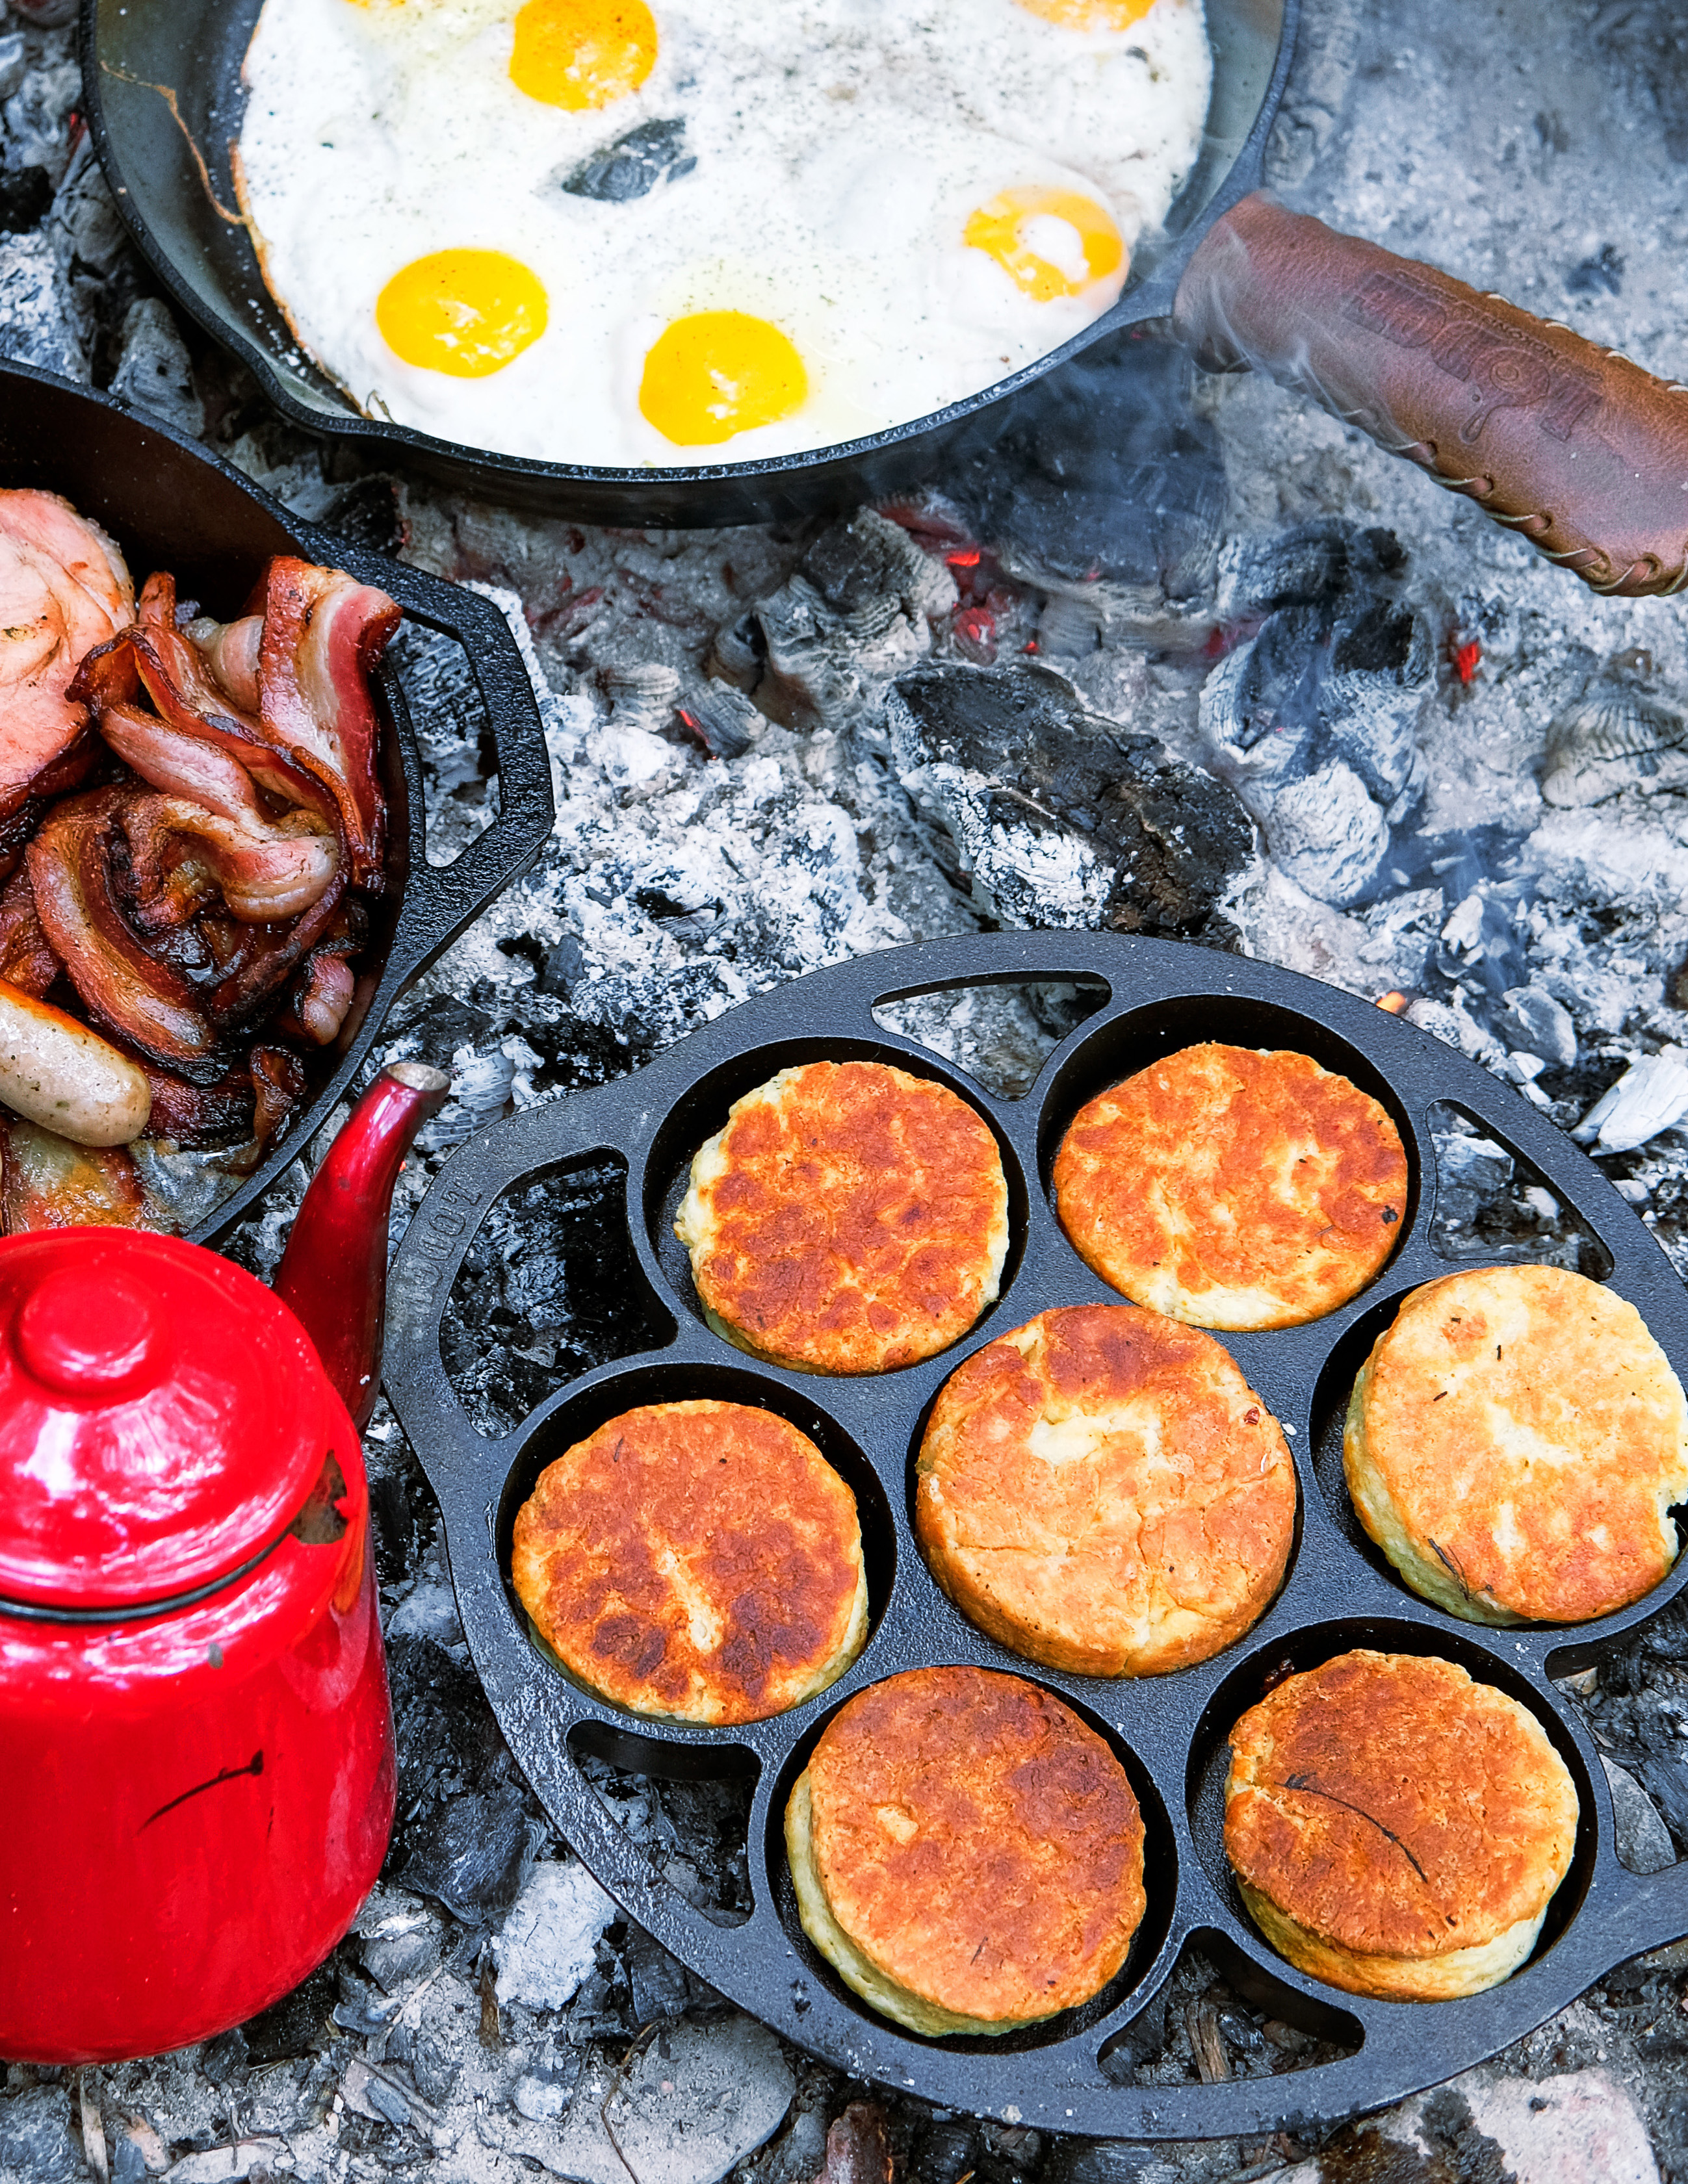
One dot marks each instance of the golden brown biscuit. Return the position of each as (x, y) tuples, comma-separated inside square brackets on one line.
[(1396, 1828), (699, 1560), (848, 1218), (1514, 1443), (1102, 1490), (1231, 1189), (966, 1852)]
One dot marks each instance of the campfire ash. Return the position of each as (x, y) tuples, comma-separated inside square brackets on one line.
[(1164, 655)]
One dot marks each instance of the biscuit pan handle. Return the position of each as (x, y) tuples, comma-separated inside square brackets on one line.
[(1645, 1911), (553, 1134)]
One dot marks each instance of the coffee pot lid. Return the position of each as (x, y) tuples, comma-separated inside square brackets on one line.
[(162, 1418)]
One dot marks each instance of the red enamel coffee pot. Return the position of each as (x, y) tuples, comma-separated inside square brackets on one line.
[(196, 1740)]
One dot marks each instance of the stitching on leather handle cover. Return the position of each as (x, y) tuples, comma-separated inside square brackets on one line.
[(1573, 446)]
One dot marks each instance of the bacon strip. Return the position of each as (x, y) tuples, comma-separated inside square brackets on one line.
[(184, 857), (198, 1116), (278, 1082), (26, 958), (269, 959), (113, 676), (186, 665), (181, 765), (150, 1004), (323, 633)]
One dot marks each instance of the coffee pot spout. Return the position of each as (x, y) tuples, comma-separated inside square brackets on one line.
[(333, 1274)]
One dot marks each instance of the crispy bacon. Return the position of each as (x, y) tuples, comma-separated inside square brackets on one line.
[(150, 1004), (197, 1116), (323, 633), (63, 591), (278, 1082), (26, 958), (269, 957), (243, 1112), (182, 857), (216, 894), (181, 765), (183, 661), (109, 680)]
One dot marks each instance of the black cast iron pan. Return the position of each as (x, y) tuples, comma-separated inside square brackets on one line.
[(171, 505), (1075, 2073), (1572, 445), (196, 48)]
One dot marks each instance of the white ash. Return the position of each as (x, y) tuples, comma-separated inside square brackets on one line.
[(550, 1936), (1649, 1098), (35, 308)]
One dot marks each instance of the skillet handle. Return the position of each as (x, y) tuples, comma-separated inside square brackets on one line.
[(1575, 447), (441, 899)]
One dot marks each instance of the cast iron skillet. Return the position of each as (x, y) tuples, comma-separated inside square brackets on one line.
[(1572, 445), (171, 505), (196, 48)]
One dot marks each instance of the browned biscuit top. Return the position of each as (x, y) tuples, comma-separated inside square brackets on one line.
[(1518, 1431), (1390, 1804), (1102, 1490), (1234, 1188), (977, 1841), (850, 1217), (698, 1559)]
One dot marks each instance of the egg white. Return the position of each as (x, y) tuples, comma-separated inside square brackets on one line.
[(841, 147)]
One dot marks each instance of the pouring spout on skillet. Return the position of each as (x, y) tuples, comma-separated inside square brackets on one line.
[(1575, 448)]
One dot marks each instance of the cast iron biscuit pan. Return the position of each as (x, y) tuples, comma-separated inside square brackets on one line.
[(171, 506), (1170, 1730)]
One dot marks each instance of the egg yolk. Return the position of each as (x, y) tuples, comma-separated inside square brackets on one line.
[(1090, 15), (464, 312), (582, 53), (717, 373), (1049, 242)]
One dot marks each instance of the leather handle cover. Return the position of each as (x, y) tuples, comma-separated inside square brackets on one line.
[(1575, 447)]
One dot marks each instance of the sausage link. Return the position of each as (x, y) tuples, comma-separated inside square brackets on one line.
[(56, 1072)]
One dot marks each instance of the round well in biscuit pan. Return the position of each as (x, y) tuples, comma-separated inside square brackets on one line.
[(967, 1853), (1515, 1442), (1233, 1188), (1397, 1828), (1101, 1491), (695, 1561), (847, 1217)]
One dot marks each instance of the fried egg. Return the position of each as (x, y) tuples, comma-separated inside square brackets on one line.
[(648, 233)]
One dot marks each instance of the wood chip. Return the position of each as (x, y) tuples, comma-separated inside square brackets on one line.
[(1202, 2019), (93, 2128)]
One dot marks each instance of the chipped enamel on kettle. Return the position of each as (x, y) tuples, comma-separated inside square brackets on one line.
[(196, 1739)]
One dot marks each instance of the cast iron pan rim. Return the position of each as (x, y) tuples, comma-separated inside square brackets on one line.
[(427, 915), (1150, 301), (1051, 2080)]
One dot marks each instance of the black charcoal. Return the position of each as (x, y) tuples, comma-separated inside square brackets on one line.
[(655, 152), (1064, 819)]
